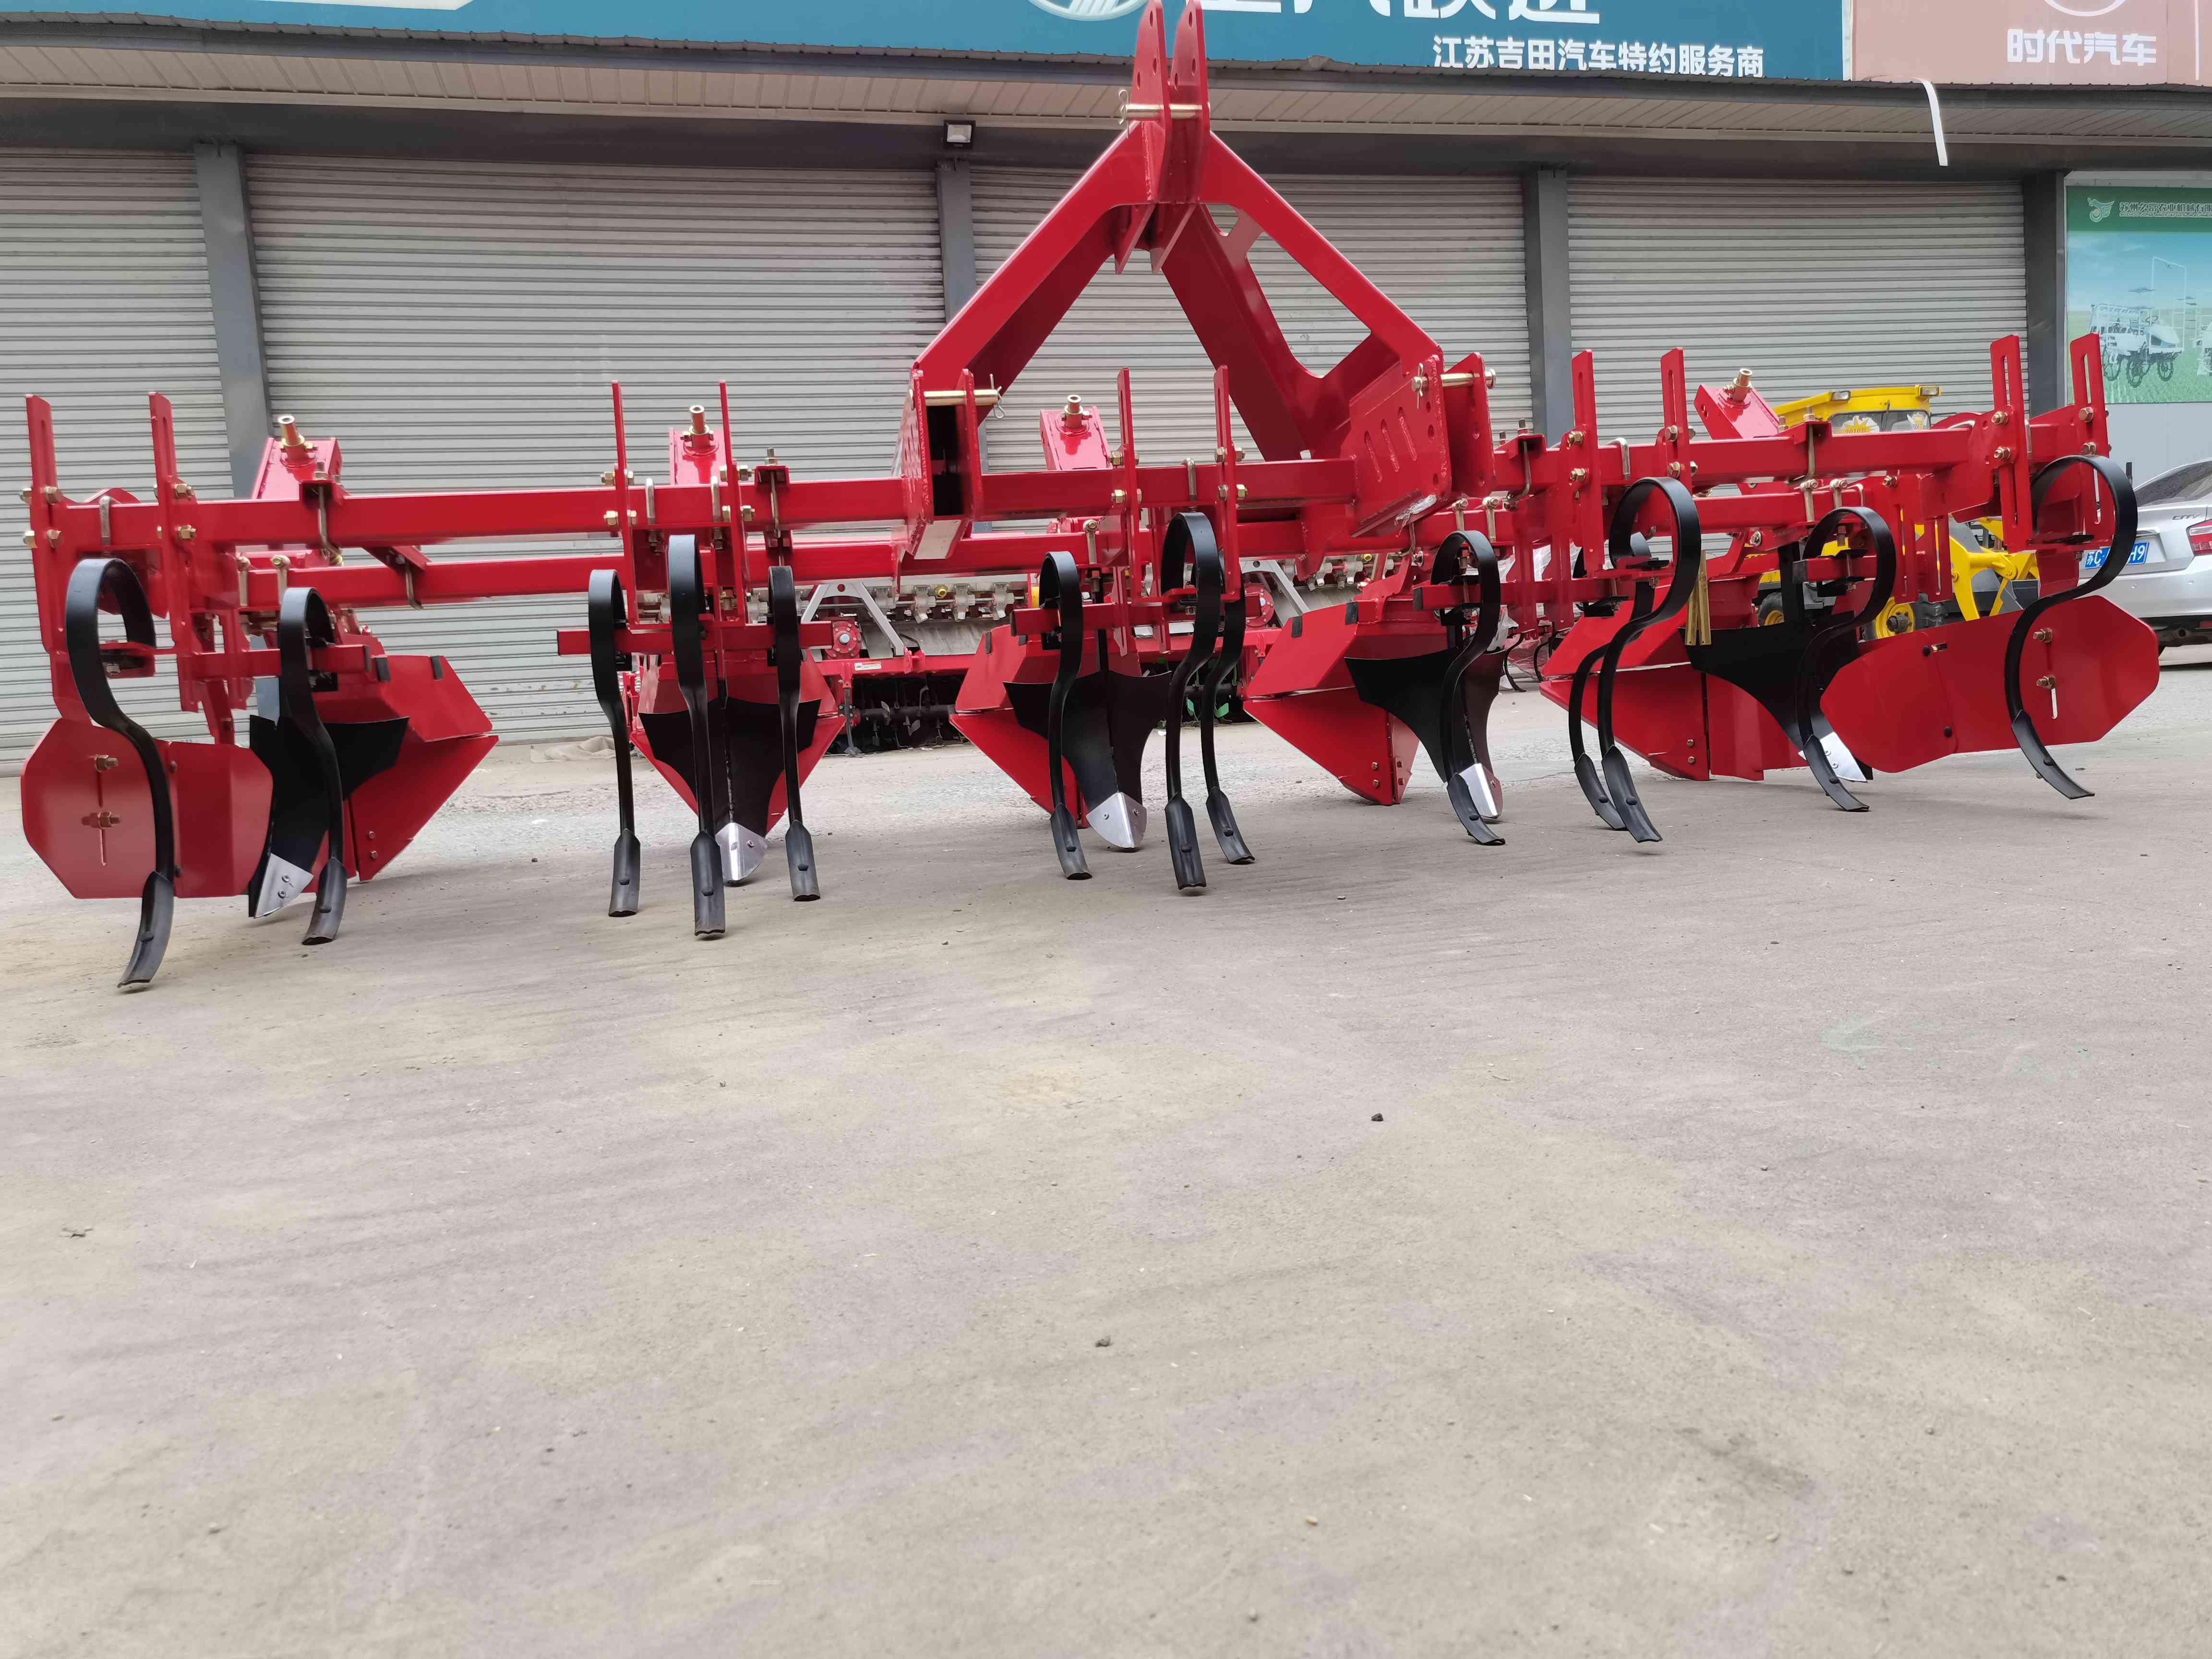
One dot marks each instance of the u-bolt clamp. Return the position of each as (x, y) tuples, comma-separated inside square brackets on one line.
[(1059, 585), (687, 604), (2116, 558), (783, 615), (1463, 552), (1626, 548), (303, 620), (1189, 542), (1829, 647), (607, 610), (93, 581)]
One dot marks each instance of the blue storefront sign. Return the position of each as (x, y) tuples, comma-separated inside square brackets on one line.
[(1716, 38)]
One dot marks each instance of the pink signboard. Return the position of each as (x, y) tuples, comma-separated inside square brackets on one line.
[(2030, 42)]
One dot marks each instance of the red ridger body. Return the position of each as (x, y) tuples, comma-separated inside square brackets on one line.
[(1641, 558)]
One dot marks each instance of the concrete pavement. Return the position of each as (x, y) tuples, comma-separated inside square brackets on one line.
[(1790, 1240)]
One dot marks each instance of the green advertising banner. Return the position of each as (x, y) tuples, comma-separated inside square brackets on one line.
[(2138, 260)]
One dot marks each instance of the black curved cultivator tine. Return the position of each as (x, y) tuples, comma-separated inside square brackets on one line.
[(1586, 772), (1463, 773), (303, 620), (1189, 541), (608, 611), (1228, 658), (783, 615), (1059, 584), (1830, 647), (687, 603), (92, 580), (1625, 543), (2116, 558)]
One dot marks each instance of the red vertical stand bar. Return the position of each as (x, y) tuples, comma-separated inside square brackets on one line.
[(175, 598)]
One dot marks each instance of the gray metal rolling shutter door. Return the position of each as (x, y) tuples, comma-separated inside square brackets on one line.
[(1447, 250), (455, 324), (103, 299), (1813, 285)]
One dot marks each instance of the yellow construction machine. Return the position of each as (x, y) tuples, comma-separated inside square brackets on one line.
[(1984, 577)]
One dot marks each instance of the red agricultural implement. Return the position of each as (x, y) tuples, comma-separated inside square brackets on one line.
[(1639, 562)]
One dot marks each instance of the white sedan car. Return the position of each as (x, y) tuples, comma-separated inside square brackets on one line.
[(2168, 580)]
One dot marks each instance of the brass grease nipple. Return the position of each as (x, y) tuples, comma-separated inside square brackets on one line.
[(289, 432)]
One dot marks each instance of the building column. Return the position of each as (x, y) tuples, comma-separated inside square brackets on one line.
[(2043, 231), (1551, 322), (956, 231), (229, 231)]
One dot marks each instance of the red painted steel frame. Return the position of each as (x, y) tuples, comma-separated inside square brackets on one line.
[(1380, 456)]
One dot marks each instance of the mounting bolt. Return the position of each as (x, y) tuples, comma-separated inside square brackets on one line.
[(2044, 635), (1120, 498), (1574, 436), (105, 763), (2088, 417), (2000, 418), (2048, 682), (101, 820), (1578, 474), (31, 538), (1244, 492), (24, 494), (607, 477), (2003, 457), (1674, 469), (53, 539), (186, 533), (614, 520)]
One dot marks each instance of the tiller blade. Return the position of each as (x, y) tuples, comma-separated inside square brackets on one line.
[(1360, 688), (359, 768), (398, 745), (1787, 667), (57, 785), (1066, 716), (751, 734), (1916, 697), (1213, 654), (2067, 669)]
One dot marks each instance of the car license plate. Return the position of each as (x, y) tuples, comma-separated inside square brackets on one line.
[(2140, 554)]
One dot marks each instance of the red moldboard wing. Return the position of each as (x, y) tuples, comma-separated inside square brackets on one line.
[(984, 715), (447, 734), (1658, 709), (1916, 697), (658, 695), (81, 775), (1303, 694)]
